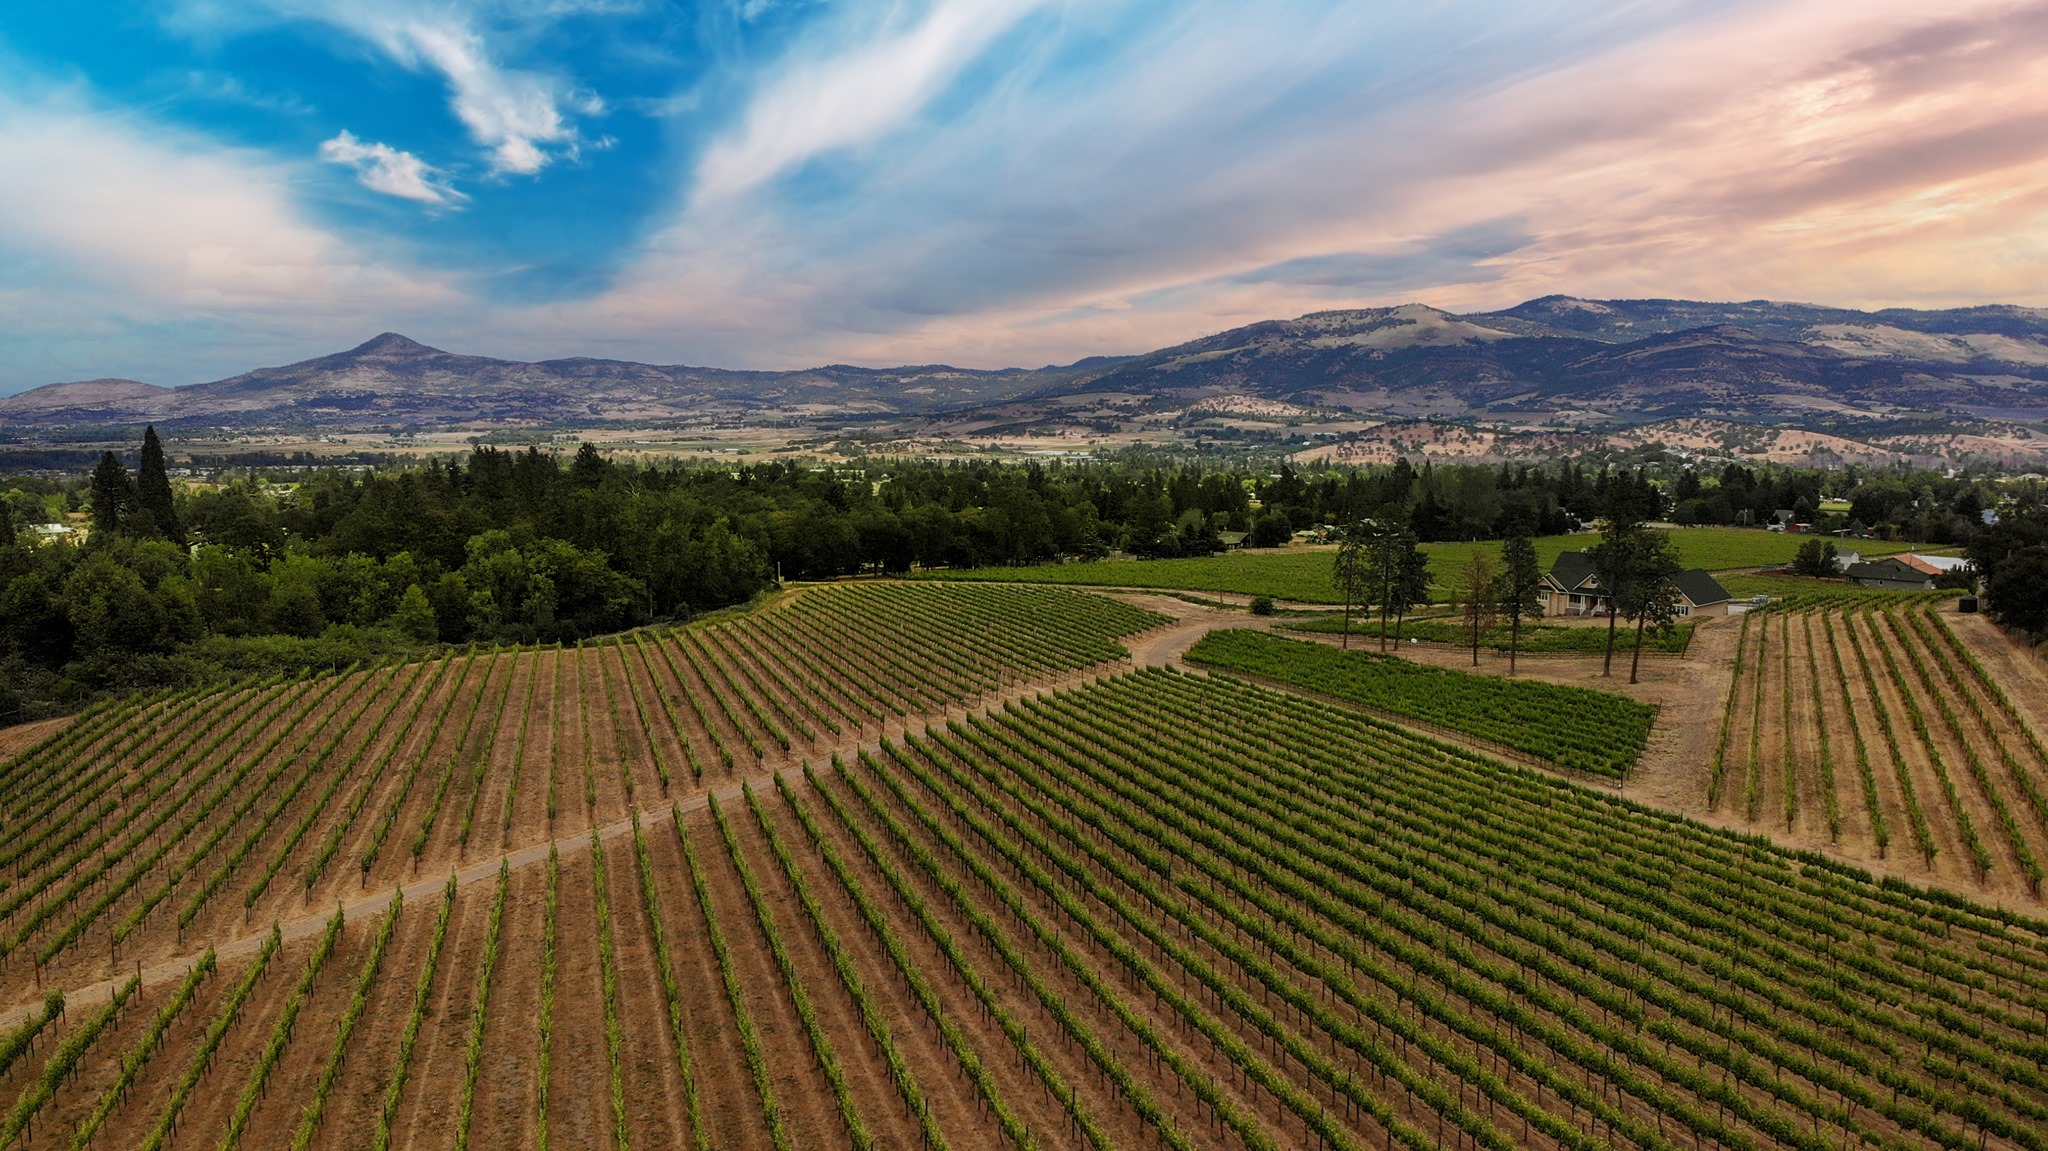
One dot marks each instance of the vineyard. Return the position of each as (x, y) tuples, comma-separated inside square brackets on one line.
[(182, 817), (1878, 727), (1569, 727), (1158, 910)]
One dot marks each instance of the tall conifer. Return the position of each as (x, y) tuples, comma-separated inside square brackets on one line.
[(153, 490), (113, 494)]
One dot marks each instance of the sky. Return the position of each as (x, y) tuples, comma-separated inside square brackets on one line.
[(193, 188)]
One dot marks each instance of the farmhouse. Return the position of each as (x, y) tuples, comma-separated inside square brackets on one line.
[(1894, 573), (1572, 588)]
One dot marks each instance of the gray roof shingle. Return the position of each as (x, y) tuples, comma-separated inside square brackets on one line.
[(1700, 587)]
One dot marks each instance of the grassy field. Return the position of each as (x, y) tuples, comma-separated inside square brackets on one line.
[(1535, 637), (1304, 576), (1742, 585)]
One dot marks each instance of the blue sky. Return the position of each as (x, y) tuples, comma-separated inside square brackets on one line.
[(189, 188)]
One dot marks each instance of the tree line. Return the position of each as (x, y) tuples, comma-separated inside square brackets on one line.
[(292, 567)]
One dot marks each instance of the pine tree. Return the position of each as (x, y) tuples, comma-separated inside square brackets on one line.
[(1520, 589), (113, 494), (153, 490), (589, 468)]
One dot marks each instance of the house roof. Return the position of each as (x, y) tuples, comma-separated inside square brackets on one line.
[(1572, 570), (1918, 564), (1700, 588), (1897, 573)]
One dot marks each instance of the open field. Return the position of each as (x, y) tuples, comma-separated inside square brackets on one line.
[(998, 890), (1303, 575)]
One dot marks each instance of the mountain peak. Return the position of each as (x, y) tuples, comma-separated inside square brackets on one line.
[(392, 344)]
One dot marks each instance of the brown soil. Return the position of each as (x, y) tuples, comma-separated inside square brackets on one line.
[(292, 1083), (653, 1080), (130, 1123), (433, 1091), (673, 695), (728, 726), (659, 733), (1092, 1091), (22, 736), (579, 1111), (394, 861), (861, 1061), (1016, 1084), (358, 1094), (809, 1109), (92, 956), (1131, 1050), (486, 796), (507, 1090), (725, 1089), (612, 722), (206, 1115)]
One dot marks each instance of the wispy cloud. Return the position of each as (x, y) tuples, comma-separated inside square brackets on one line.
[(522, 118), (822, 100), (1024, 181), (1215, 164), (382, 168), (131, 246)]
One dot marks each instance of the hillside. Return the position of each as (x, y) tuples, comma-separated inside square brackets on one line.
[(1555, 362), (1565, 360), (395, 382)]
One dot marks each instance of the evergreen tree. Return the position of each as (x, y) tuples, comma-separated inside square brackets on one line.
[(1649, 597), (1517, 589), (1353, 571), (113, 494), (7, 533), (589, 468), (153, 490), (1614, 565), (1411, 578)]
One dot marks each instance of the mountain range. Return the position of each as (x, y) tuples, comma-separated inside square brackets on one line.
[(1554, 361)]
